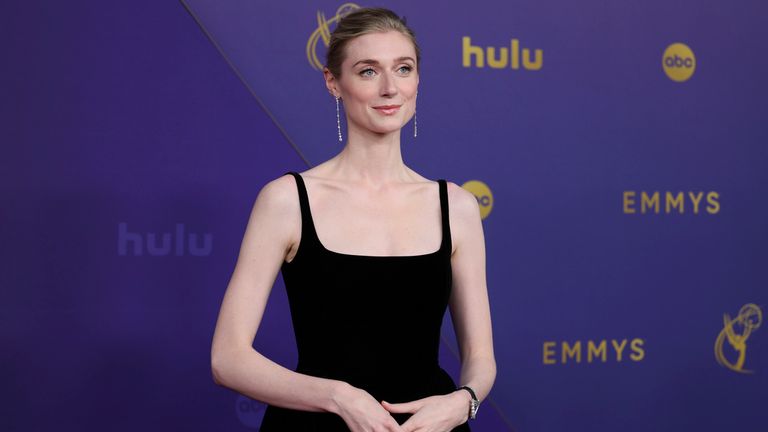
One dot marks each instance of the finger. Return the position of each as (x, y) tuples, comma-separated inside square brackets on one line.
[(394, 426), (405, 407)]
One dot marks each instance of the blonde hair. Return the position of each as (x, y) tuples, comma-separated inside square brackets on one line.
[(360, 22)]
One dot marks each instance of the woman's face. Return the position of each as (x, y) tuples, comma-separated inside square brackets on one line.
[(378, 82)]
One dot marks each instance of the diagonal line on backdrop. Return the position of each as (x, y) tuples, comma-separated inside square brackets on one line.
[(245, 83)]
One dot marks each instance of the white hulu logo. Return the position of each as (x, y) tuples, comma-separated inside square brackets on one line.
[(167, 242)]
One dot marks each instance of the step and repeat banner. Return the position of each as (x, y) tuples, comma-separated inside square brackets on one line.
[(617, 151)]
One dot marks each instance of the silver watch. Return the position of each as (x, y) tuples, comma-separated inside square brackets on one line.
[(474, 404)]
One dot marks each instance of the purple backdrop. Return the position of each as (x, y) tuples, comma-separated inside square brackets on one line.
[(138, 134)]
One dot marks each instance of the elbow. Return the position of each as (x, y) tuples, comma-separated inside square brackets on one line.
[(216, 376), (224, 365), (488, 363), (218, 366), (492, 366)]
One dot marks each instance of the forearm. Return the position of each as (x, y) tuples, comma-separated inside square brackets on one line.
[(479, 373), (253, 375)]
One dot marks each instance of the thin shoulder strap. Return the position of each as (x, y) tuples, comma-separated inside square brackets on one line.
[(303, 198), (306, 216), (445, 215)]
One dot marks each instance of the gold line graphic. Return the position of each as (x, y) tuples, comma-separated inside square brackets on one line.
[(749, 319), (323, 31)]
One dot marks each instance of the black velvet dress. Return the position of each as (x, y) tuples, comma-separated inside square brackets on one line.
[(372, 321)]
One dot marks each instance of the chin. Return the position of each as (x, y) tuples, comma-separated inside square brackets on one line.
[(385, 128)]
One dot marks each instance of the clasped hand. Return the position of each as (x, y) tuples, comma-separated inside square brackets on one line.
[(440, 413)]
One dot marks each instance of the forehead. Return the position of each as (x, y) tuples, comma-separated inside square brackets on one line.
[(383, 47)]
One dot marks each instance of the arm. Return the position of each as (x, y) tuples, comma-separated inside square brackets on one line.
[(471, 316), (273, 227), (470, 310)]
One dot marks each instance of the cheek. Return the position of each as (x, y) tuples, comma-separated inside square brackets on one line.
[(360, 99)]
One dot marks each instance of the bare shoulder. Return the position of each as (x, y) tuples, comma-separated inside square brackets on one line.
[(279, 194), (463, 204), (464, 216), (276, 217)]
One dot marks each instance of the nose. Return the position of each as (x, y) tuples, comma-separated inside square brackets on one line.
[(388, 86)]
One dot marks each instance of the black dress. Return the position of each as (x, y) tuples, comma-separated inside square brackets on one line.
[(371, 321)]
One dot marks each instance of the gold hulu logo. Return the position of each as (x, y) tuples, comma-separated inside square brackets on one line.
[(507, 57)]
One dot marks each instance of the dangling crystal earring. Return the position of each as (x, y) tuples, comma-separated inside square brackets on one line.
[(414, 115), (338, 120)]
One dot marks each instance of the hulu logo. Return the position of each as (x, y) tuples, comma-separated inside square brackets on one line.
[(176, 243), (506, 57)]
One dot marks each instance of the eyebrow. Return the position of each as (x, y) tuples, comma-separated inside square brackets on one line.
[(374, 62)]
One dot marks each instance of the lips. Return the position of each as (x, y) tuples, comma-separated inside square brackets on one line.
[(387, 109)]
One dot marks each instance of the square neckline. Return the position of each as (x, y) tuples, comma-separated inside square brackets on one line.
[(342, 254)]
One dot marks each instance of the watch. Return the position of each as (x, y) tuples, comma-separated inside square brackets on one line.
[(474, 404)]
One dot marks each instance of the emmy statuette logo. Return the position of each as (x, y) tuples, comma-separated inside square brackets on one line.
[(736, 331), (323, 32)]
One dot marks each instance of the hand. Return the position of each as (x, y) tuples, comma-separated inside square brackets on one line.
[(434, 413), (363, 413)]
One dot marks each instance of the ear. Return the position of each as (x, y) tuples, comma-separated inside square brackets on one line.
[(331, 83)]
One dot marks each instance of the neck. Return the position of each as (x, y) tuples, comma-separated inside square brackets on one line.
[(371, 158)]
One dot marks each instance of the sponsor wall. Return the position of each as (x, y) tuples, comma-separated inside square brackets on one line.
[(616, 152)]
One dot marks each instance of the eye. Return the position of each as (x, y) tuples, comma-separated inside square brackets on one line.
[(407, 68), (363, 72)]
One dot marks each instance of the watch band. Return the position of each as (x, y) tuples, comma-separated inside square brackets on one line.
[(474, 404), (471, 392)]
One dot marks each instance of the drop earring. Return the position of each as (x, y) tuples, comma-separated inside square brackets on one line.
[(338, 119), (414, 115)]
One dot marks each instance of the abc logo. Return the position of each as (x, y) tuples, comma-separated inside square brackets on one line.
[(250, 412), (678, 62), (482, 193)]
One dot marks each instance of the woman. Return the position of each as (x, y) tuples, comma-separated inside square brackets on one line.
[(372, 253)]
